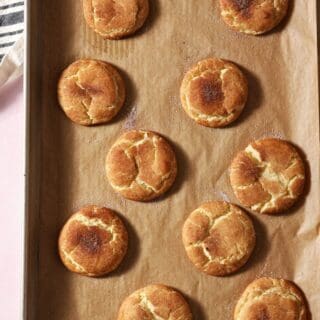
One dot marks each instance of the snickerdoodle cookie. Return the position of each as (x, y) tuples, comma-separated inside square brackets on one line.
[(214, 92), (91, 92), (155, 302), (271, 299), (115, 19), (253, 16), (141, 165), (268, 176), (93, 241), (218, 237)]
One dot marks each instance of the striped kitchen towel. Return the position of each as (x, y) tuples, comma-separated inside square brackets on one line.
[(11, 38)]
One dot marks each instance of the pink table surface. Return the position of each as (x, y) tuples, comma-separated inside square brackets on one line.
[(12, 135)]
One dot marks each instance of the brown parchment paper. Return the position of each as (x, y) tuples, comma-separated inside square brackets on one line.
[(282, 72)]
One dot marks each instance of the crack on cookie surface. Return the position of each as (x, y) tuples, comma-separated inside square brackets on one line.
[(213, 222), (97, 222), (254, 297), (146, 153), (155, 302), (76, 265), (146, 305), (84, 105), (213, 241), (268, 176)]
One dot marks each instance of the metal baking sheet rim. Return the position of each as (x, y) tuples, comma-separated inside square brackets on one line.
[(26, 97)]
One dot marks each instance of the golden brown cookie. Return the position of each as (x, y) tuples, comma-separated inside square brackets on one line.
[(91, 92), (271, 299), (214, 92), (253, 16), (141, 165), (218, 237), (268, 176), (115, 19), (155, 302), (93, 241)]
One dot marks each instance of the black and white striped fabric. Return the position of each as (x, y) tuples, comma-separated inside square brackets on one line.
[(11, 24)]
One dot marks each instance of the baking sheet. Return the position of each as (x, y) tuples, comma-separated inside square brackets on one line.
[(66, 165)]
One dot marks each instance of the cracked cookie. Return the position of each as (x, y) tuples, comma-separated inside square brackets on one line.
[(93, 242), (271, 299), (214, 92), (91, 92), (253, 16), (115, 19), (268, 176), (141, 165), (155, 302), (218, 237)]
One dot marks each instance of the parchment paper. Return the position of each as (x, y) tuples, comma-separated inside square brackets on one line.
[(282, 72)]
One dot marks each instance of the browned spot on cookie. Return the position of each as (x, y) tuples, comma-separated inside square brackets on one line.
[(90, 241), (244, 7), (206, 95), (251, 172), (259, 312), (242, 4), (214, 92), (211, 91), (264, 316)]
